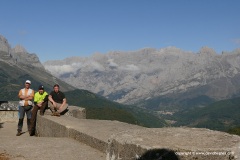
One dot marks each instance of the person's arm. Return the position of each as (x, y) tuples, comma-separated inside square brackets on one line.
[(46, 97), (64, 102), (26, 98), (20, 96), (30, 97), (51, 100)]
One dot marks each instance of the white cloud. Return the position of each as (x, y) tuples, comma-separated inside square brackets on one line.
[(93, 65), (62, 69), (58, 70), (87, 66), (111, 63), (131, 67)]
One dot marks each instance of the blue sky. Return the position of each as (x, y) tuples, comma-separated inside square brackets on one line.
[(56, 29)]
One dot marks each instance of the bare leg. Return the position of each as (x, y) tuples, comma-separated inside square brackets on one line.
[(63, 108), (52, 108)]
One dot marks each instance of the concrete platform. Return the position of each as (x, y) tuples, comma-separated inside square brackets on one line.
[(187, 143), (94, 133), (127, 142), (73, 137), (25, 147)]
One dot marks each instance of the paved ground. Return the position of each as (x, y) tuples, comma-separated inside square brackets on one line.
[(25, 147)]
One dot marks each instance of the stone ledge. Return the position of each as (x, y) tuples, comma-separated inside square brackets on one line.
[(12, 115), (188, 143), (125, 141), (94, 133), (77, 112)]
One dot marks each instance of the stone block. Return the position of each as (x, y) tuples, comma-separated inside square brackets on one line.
[(128, 142), (50, 128), (94, 133), (94, 142), (186, 143), (77, 112)]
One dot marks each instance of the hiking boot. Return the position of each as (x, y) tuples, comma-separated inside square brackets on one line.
[(19, 133), (31, 133), (57, 114)]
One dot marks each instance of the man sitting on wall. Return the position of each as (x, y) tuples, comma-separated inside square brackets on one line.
[(40, 103), (57, 101)]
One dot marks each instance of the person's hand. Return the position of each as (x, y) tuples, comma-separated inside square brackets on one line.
[(39, 104)]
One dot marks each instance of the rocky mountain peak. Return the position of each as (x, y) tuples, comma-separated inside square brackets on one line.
[(4, 45), (19, 49), (207, 51), (18, 54)]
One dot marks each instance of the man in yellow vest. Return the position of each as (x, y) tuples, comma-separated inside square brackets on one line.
[(40, 103), (26, 96)]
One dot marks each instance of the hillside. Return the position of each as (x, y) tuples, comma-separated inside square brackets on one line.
[(13, 76), (222, 115), (234, 130), (101, 108)]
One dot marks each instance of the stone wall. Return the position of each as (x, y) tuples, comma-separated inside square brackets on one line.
[(9, 111), (8, 116), (124, 141), (76, 112), (187, 143)]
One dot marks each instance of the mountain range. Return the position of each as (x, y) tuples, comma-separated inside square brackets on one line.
[(164, 79)]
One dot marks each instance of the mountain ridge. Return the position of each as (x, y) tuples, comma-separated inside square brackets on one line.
[(131, 77)]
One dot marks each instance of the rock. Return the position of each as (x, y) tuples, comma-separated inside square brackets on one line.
[(9, 105), (187, 143), (4, 45), (129, 77), (19, 49), (17, 55), (22, 56)]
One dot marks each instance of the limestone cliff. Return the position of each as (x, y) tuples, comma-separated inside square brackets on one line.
[(18, 54), (131, 77)]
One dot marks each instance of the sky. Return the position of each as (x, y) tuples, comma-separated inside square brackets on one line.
[(57, 29)]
